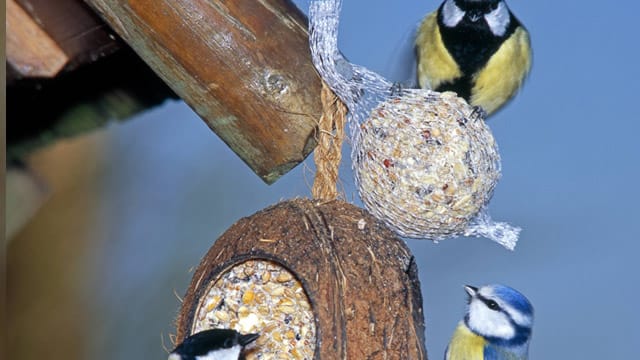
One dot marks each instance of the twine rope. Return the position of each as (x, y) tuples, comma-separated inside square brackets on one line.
[(328, 153)]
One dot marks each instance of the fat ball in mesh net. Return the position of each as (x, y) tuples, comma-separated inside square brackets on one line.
[(425, 163)]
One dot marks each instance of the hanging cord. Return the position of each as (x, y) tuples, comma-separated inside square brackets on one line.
[(328, 153)]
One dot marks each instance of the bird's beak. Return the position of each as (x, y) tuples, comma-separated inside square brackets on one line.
[(247, 339), (471, 290), (475, 15)]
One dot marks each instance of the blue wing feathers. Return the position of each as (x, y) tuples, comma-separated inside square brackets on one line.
[(490, 353)]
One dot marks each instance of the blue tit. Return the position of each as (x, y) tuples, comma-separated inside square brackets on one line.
[(213, 344), (497, 326), (476, 48)]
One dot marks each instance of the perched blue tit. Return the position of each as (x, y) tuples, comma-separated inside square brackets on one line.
[(213, 344), (497, 326), (476, 48)]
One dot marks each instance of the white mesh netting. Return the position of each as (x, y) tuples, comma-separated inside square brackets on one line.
[(425, 163)]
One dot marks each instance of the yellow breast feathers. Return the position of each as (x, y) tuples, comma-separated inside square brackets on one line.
[(465, 345), (503, 75), (439, 66)]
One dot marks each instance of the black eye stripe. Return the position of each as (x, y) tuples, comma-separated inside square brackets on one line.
[(491, 304)]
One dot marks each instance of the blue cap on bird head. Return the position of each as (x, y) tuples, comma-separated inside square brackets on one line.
[(514, 298), (508, 295)]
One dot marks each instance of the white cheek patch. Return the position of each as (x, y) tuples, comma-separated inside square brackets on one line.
[(451, 13), (224, 354), (487, 322), (498, 19)]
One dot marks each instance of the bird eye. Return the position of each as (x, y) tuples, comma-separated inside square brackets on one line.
[(228, 343), (492, 305)]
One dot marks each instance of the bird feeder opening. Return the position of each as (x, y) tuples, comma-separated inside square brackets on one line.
[(261, 296)]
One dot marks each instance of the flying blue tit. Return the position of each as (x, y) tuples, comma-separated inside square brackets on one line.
[(497, 326), (476, 48), (213, 344)]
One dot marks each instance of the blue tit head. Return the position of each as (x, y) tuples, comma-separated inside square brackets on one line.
[(500, 314), (213, 344)]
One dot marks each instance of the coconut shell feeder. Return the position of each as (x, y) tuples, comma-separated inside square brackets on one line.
[(318, 280)]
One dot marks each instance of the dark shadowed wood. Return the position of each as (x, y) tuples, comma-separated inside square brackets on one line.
[(41, 112), (361, 280), (243, 66)]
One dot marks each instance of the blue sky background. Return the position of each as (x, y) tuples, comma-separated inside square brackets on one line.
[(571, 175)]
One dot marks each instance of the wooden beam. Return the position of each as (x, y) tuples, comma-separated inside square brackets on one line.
[(243, 65), (45, 37), (30, 50), (75, 27)]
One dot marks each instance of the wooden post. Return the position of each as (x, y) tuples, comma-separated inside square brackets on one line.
[(244, 66)]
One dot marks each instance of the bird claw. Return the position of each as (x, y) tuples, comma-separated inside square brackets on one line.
[(478, 113), (396, 89)]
